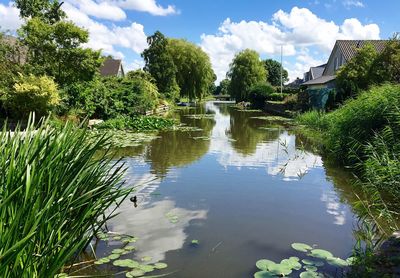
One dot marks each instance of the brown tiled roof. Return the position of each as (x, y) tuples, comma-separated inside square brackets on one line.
[(349, 47), (110, 67)]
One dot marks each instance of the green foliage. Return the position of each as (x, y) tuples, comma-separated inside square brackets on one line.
[(160, 65), (245, 71), (55, 50), (355, 75), (140, 74), (47, 10), (32, 94), (260, 93), (145, 123), (56, 189), (194, 73), (223, 87), (273, 69), (313, 119), (387, 66), (112, 97)]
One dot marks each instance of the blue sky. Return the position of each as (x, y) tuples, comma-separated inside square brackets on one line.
[(306, 29)]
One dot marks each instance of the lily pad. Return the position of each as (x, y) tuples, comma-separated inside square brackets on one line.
[(160, 265), (117, 251), (351, 260), (280, 269), (117, 238), (135, 273), (114, 256), (146, 268), (337, 262), (311, 262), (321, 254), (264, 274), (293, 264), (129, 248), (146, 259), (195, 242), (102, 261), (302, 247), (309, 274), (264, 264), (126, 263), (310, 268)]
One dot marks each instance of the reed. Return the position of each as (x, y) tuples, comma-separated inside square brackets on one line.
[(55, 193)]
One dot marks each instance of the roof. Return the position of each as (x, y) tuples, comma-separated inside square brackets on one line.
[(19, 53), (349, 47), (110, 67), (317, 72), (320, 80)]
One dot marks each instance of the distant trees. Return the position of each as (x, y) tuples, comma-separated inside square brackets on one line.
[(245, 71), (223, 87), (273, 69), (194, 73)]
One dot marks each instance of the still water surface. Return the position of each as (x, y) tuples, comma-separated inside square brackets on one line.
[(244, 187)]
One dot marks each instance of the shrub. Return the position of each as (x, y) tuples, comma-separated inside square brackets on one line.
[(313, 119), (55, 190), (112, 97), (32, 94), (259, 93)]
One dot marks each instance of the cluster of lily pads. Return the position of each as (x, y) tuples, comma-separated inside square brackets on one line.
[(123, 138), (135, 268), (200, 116), (173, 218), (273, 118), (309, 267)]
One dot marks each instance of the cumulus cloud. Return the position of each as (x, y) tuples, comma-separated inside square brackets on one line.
[(149, 6), (296, 30), (101, 10), (353, 3), (107, 38), (9, 17)]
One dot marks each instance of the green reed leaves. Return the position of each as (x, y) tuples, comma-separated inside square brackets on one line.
[(55, 190)]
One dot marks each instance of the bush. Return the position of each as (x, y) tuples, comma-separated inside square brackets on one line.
[(112, 97), (313, 119), (260, 93), (32, 94), (55, 191)]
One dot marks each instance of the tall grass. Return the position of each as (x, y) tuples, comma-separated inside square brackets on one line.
[(54, 192)]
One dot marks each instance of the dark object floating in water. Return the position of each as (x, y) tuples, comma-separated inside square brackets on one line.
[(183, 104), (134, 200)]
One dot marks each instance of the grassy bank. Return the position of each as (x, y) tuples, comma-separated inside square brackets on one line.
[(54, 196), (364, 135)]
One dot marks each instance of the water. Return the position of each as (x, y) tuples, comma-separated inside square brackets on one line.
[(246, 188)]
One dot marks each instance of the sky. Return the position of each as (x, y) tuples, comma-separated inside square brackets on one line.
[(306, 30)]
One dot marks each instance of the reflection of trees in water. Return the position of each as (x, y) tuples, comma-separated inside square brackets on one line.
[(177, 148), (246, 132)]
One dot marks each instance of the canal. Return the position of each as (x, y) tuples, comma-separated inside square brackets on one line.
[(232, 188)]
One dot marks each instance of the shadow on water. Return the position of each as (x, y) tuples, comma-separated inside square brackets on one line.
[(242, 187)]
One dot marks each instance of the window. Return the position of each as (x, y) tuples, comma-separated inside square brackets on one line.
[(336, 65)]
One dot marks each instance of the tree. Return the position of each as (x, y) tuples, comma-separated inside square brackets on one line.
[(222, 88), (245, 71), (194, 73), (47, 10), (160, 65), (141, 74), (387, 65), (55, 50), (273, 69), (356, 74)]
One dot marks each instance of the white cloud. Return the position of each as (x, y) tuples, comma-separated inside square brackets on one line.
[(149, 6), (297, 30), (102, 10), (108, 38), (353, 3), (135, 65), (9, 17)]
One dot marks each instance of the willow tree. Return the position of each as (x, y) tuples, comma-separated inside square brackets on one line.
[(194, 73), (245, 71)]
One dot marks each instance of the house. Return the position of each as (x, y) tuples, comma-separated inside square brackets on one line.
[(344, 50), (314, 73), (112, 67), (18, 52)]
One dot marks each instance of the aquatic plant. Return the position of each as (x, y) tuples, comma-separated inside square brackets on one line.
[(142, 123), (309, 267), (53, 197)]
